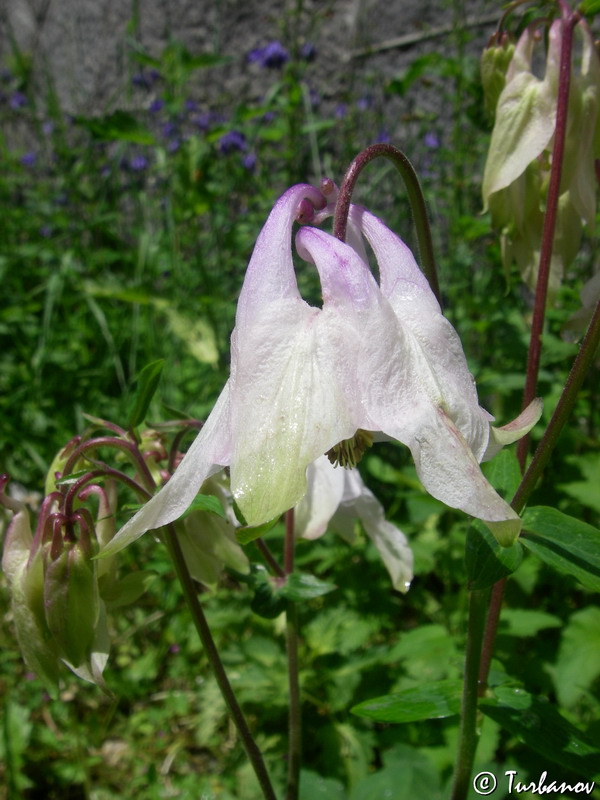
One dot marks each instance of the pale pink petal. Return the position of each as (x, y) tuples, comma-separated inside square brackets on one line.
[(210, 451)]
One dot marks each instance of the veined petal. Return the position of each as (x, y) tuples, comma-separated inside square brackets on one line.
[(210, 451), (323, 496), (17, 542), (514, 430), (270, 275), (292, 400), (389, 540), (525, 114), (438, 356), (385, 383), (448, 470)]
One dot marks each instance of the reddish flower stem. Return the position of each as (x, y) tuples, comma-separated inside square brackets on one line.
[(535, 345), (415, 196), (541, 291)]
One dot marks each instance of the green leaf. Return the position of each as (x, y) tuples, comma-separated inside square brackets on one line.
[(578, 662), (246, 534), (537, 723), (206, 502), (127, 590), (147, 383), (299, 586), (590, 7), (503, 472), (406, 774), (430, 701), (526, 622), (314, 786), (565, 543), (586, 490), (486, 560), (120, 125), (267, 601)]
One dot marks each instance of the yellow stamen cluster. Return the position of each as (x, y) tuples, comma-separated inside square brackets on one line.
[(350, 451)]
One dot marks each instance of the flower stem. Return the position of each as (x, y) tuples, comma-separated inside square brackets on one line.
[(210, 648), (541, 289), (469, 737), (584, 357), (541, 457), (415, 197), (291, 635)]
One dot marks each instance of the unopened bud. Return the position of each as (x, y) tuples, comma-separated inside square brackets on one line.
[(495, 61)]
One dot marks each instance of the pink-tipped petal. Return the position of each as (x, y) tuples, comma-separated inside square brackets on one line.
[(210, 451)]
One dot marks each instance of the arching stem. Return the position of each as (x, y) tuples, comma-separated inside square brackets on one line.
[(415, 197)]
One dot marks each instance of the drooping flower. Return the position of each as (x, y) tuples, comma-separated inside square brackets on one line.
[(305, 381), (520, 156), (335, 500)]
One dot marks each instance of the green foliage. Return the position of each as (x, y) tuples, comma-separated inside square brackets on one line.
[(125, 244)]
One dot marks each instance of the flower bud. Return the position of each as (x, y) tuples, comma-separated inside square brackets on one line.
[(495, 61), (71, 596)]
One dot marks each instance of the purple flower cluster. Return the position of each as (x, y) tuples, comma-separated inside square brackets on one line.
[(145, 80), (271, 56), (232, 141)]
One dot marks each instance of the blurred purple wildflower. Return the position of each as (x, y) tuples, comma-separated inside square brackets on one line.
[(191, 106), (431, 140), (204, 120), (249, 161), (232, 141), (364, 103), (340, 111), (271, 56), (383, 137), (17, 100), (46, 231), (137, 163), (173, 145), (145, 80), (169, 129), (29, 159), (308, 52), (48, 127), (156, 105), (314, 98)]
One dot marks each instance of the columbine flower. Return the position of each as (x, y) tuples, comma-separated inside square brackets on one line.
[(335, 500), (375, 360)]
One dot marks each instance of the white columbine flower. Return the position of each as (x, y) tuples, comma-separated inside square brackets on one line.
[(335, 500), (374, 358)]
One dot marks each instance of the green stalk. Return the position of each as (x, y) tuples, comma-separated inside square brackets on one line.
[(469, 737), (291, 635), (210, 648), (415, 197)]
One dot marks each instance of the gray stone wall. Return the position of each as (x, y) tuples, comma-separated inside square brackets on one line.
[(83, 44)]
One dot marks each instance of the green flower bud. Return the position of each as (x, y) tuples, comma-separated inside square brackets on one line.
[(71, 596), (25, 577), (208, 540), (495, 61)]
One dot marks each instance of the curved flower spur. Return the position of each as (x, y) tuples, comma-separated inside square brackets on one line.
[(305, 380)]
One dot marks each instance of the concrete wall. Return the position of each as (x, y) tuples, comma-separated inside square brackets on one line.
[(83, 43)]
